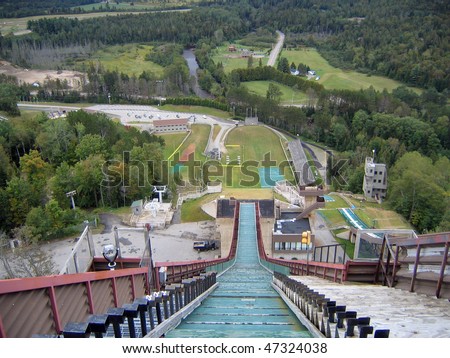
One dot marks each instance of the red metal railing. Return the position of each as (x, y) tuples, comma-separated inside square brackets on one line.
[(177, 271), (43, 305), (332, 271)]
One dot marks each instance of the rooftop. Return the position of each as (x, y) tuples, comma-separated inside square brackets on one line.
[(170, 122), (288, 224)]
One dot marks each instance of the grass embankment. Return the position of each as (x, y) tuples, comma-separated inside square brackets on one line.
[(191, 210), (216, 130), (289, 95), (372, 214)]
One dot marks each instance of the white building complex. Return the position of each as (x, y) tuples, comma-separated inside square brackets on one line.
[(375, 180)]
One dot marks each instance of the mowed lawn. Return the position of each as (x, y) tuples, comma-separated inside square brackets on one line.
[(289, 95), (195, 143), (254, 144), (172, 141), (336, 78), (128, 59)]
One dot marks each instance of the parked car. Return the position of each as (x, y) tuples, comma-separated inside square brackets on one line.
[(205, 245)]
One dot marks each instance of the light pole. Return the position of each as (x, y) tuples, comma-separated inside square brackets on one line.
[(159, 86)]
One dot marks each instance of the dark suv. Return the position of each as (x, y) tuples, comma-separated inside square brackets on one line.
[(204, 245)]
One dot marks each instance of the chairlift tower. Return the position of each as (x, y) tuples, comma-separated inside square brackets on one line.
[(71, 194), (160, 189)]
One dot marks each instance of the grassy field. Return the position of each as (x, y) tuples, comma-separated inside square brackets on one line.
[(335, 78), (233, 60), (197, 143), (129, 59), (289, 95), (372, 214), (246, 142), (172, 141)]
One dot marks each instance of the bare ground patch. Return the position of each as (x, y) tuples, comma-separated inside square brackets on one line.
[(74, 79)]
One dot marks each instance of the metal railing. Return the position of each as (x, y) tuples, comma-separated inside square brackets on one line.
[(82, 255), (322, 253), (44, 305), (428, 256), (331, 271), (177, 271)]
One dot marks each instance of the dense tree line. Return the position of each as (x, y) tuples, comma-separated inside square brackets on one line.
[(120, 29), (23, 8), (42, 159)]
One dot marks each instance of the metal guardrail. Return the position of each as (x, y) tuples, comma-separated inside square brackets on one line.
[(429, 260), (177, 271), (322, 253), (332, 271), (82, 255)]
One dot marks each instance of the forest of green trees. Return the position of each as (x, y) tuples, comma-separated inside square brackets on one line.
[(41, 159), (406, 40)]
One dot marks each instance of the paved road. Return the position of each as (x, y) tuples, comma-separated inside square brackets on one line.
[(45, 107), (323, 237), (276, 50)]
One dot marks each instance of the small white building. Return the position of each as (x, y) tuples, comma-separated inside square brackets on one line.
[(311, 73), (375, 180)]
